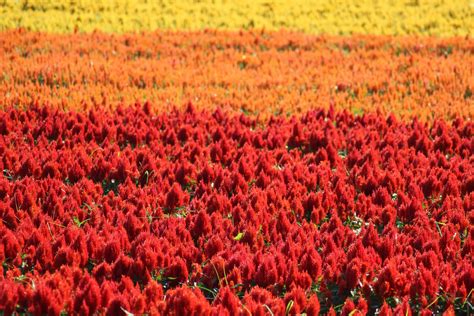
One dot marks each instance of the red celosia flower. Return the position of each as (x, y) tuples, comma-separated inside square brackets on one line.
[(227, 302), (87, 299), (371, 204), (298, 298), (8, 296), (266, 273), (349, 308), (175, 197), (184, 301), (385, 310), (117, 306), (313, 306)]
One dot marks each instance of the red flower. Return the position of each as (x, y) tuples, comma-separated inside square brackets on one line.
[(178, 270), (8, 296), (313, 306), (184, 301), (45, 300), (227, 301), (385, 310), (298, 298), (112, 250), (87, 299), (266, 273), (311, 262), (175, 197), (118, 305)]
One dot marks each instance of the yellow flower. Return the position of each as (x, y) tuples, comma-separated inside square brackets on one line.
[(396, 17)]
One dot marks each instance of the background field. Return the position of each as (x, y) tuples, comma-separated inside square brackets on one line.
[(251, 72), (422, 17)]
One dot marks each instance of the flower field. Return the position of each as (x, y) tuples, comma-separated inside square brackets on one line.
[(427, 17), (258, 73), (224, 158), (117, 210)]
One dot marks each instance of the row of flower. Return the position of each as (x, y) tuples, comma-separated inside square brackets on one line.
[(197, 213), (254, 72), (427, 17)]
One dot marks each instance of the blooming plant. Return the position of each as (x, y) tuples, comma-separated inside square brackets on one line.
[(193, 212)]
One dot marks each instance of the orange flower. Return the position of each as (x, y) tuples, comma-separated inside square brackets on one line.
[(257, 73)]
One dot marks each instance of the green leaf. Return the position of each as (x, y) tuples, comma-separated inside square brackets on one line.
[(203, 288), (78, 222), (357, 111), (239, 236), (399, 223), (467, 93), (289, 306), (342, 153)]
